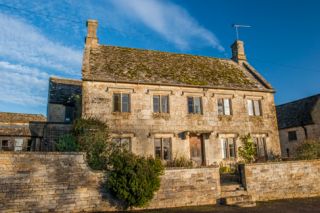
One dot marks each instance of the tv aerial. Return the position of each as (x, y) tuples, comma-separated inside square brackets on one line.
[(237, 26)]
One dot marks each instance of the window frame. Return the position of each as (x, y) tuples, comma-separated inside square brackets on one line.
[(261, 140), (252, 107), (290, 134), (223, 109), (120, 95), (7, 147), (225, 148), (194, 106), (120, 140), (160, 103), (162, 140)]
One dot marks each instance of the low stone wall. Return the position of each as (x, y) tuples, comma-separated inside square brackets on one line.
[(281, 180), (42, 182)]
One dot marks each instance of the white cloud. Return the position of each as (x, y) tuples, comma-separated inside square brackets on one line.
[(23, 85), (170, 20), (22, 42)]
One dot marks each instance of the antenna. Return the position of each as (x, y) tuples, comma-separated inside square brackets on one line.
[(236, 26)]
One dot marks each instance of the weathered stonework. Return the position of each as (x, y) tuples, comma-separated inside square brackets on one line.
[(42, 182), (143, 125), (281, 180)]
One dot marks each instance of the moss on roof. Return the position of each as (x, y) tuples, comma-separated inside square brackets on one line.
[(109, 63), (9, 117)]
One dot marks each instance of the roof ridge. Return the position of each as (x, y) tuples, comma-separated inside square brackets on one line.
[(297, 100), (160, 51)]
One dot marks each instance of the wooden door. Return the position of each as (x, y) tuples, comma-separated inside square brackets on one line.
[(196, 149)]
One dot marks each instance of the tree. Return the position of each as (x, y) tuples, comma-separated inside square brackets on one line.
[(248, 149)]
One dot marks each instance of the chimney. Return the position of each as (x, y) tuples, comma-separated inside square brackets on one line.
[(92, 39), (238, 54)]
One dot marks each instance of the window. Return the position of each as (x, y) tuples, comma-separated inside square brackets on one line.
[(254, 107), (260, 146), (194, 105), (69, 114), (123, 143), (161, 104), (162, 147), (5, 145), (228, 148), (29, 146), (18, 144), (292, 135), (224, 106), (121, 102)]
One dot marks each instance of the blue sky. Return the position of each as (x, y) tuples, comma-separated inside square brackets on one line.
[(42, 38)]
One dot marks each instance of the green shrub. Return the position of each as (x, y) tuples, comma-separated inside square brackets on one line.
[(248, 149), (93, 138), (67, 143), (134, 179), (180, 162), (308, 150)]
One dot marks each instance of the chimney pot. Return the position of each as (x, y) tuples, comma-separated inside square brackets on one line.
[(238, 54), (91, 38)]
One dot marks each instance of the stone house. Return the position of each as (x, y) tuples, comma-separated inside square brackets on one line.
[(297, 121), (20, 132), (171, 105)]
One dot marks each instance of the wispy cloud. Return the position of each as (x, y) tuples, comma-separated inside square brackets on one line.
[(22, 42), (170, 20), (22, 85), (27, 59)]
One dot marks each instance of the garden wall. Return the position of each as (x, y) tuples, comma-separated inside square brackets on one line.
[(58, 182), (281, 180)]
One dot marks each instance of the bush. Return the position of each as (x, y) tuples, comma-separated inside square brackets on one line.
[(180, 162), (67, 143), (308, 150), (134, 179), (248, 149), (92, 137)]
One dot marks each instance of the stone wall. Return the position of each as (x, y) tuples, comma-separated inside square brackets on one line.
[(281, 180), (43, 182), (142, 125)]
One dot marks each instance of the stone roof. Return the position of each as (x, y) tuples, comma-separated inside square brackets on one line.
[(8, 117), (61, 90), (296, 113), (120, 64)]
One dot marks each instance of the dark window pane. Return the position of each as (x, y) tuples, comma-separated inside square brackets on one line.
[(164, 104), (5, 145), (125, 103), (190, 105), (231, 148), (166, 144), (197, 105), (116, 103), (157, 147), (220, 106), (292, 135), (156, 103)]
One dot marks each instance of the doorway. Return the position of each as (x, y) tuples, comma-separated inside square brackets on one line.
[(196, 149)]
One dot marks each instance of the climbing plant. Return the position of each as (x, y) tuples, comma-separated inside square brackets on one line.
[(247, 151)]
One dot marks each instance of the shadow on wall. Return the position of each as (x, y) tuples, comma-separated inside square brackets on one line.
[(51, 182)]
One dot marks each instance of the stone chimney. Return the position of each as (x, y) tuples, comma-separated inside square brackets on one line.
[(238, 54), (91, 38)]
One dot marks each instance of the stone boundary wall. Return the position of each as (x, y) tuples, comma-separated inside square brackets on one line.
[(57, 182), (282, 180)]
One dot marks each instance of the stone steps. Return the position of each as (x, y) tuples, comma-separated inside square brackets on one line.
[(233, 194)]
